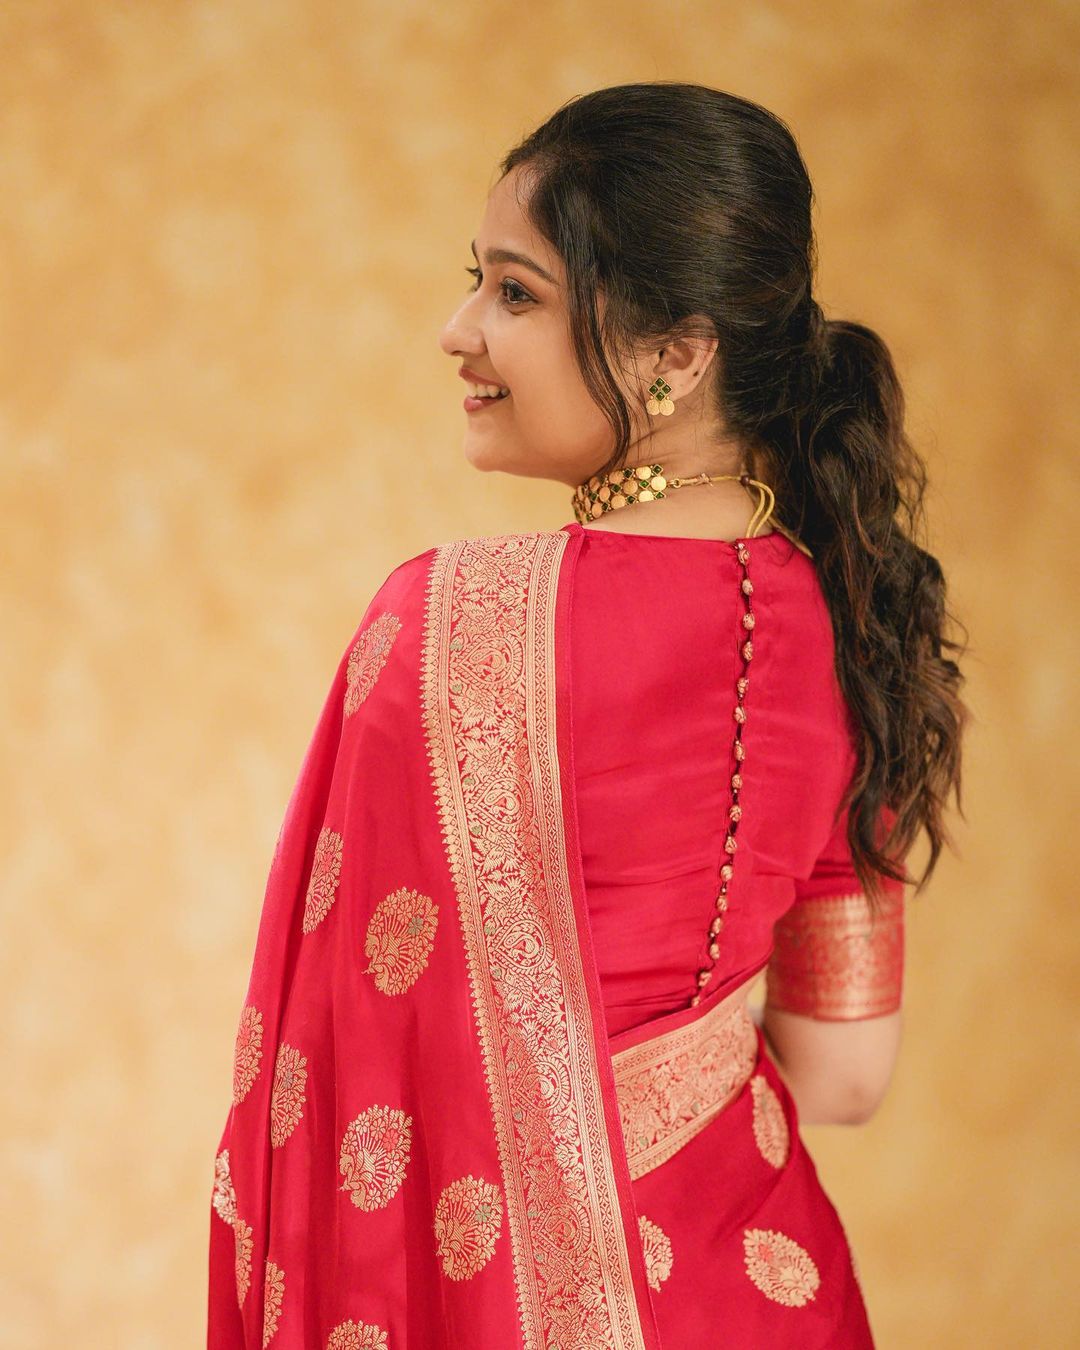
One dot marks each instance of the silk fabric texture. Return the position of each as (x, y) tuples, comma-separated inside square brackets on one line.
[(434, 1140)]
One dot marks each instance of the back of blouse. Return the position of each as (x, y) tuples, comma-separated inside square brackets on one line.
[(698, 759)]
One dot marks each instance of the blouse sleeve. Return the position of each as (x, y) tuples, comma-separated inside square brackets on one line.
[(833, 959)]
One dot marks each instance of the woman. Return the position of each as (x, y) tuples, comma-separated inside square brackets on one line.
[(496, 1079)]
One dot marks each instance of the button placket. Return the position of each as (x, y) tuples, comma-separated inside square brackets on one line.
[(746, 651)]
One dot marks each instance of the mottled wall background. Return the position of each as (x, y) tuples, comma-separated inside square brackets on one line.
[(230, 235)]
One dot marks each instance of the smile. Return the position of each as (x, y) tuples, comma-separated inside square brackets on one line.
[(473, 404)]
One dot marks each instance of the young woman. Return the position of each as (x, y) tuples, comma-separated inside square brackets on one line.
[(497, 1082)]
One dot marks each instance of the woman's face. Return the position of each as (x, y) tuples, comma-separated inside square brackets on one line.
[(512, 330)]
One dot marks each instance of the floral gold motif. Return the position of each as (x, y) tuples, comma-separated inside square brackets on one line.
[(400, 936), (224, 1197), (656, 1248), (287, 1095), (781, 1269), (325, 875), (770, 1124), (468, 1218), (224, 1203), (374, 1154), (367, 658), (357, 1336), (273, 1297), (244, 1245), (248, 1052)]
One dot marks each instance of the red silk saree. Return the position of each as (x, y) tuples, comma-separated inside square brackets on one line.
[(436, 1138)]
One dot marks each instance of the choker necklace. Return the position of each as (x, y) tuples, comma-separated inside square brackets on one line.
[(646, 482)]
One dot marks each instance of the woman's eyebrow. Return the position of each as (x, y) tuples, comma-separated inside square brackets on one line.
[(504, 255)]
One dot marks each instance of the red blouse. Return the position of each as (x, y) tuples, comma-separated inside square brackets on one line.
[(657, 637)]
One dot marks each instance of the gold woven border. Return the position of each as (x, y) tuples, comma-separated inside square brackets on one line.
[(670, 1087), (489, 696), (834, 961)]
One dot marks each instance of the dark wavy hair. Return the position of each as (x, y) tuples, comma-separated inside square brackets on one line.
[(689, 209)]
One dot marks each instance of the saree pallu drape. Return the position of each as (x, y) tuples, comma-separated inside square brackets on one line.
[(432, 1142)]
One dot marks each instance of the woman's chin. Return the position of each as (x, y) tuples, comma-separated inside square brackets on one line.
[(484, 452)]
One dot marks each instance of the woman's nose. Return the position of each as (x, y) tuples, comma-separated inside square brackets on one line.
[(460, 334)]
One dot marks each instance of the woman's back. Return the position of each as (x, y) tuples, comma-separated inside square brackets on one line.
[(505, 1059), (657, 632)]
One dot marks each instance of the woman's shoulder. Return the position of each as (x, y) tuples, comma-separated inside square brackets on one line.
[(407, 582), (775, 552)]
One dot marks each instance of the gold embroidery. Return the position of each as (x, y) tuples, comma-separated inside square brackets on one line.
[(489, 688), (468, 1218), (357, 1336), (325, 875), (780, 1268), (224, 1197), (287, 1096), (367, 659), (244, 1244), (833, 960), (273, 1296), (400, 936), (670, 1087), (656, 1247), (248, 1052), (224, 1202), (770, 1124), (374, 1154)]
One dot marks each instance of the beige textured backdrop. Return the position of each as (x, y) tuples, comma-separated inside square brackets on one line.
[(231, 233)]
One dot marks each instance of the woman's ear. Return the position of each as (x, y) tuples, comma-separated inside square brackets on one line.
[(687, 355)]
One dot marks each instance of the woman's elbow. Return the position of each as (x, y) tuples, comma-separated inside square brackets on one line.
[(860, 1102), (833, 1100)]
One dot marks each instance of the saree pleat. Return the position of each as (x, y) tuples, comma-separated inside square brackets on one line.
[(433, 1140)]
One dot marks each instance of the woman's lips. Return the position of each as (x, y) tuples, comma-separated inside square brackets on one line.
[(475, 404)]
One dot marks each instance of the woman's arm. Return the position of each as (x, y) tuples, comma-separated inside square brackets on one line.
[(837, 1071)]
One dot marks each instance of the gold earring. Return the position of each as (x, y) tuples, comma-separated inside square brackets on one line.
[(658, 398)]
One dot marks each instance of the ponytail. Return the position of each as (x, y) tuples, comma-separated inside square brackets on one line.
[(855, 488)]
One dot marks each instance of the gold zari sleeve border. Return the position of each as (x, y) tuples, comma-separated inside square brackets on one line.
[(835, 960)]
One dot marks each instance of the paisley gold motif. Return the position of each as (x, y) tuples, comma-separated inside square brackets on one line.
[(224, 1197), (770, 1124), (781, 1269), (273, 1297), (244, 1245), (357, 1336), (367, 658), (468, 1218), (248, 1052), (325, 875), (671, 1086), (287, 1095), (656, 1248), (400, 936), (374, 1154)]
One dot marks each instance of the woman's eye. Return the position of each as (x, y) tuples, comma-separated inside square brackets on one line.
[(512, 293)]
